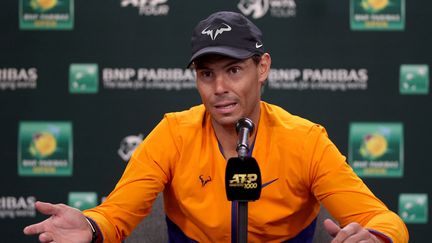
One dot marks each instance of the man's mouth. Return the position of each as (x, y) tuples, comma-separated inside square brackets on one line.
[(225, 106)]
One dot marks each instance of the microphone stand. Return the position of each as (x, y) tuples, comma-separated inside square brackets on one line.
[(242, 205), (242, 181), (242, 220)]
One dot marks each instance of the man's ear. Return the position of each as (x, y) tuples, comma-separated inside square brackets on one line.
[(264, 67)]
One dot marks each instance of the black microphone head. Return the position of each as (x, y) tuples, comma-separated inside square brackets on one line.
[(243, 179), (246, 123)]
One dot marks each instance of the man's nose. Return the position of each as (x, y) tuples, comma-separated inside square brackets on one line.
[(220, 85)]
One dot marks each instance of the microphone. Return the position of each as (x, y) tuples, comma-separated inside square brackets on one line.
[(244, 128), (242, 174)]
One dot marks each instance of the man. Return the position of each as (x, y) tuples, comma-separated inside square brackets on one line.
[(185, 157)]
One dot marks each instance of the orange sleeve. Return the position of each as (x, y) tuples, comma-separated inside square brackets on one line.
[(144, 177), (343, 193)]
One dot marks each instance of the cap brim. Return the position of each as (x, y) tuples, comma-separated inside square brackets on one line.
[(222, 50)]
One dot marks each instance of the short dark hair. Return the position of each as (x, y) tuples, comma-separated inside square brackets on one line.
[(256, 59)]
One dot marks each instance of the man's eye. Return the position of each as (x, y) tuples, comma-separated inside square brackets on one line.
[(206, 74), (234, 70)]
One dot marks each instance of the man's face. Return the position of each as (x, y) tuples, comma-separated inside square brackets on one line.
[(230, 88)]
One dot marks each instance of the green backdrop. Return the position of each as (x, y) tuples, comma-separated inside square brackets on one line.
[(80, 80)]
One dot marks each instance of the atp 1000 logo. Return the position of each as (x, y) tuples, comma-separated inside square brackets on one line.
[(246, 181)]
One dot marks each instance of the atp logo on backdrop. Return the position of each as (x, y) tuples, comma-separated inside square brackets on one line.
[(45, 149), (376, 149), (148, 7), (46, 14), (414, 79), (259, 8), (82, 200), (128, 146), (377, 14), (413, 208), (83, 78)]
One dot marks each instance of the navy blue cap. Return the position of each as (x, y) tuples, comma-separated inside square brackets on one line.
[(226, 33)]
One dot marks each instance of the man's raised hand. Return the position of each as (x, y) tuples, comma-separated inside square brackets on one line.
[(65, 224)]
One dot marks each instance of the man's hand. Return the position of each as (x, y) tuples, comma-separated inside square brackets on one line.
[(353, 232), (66, 224)]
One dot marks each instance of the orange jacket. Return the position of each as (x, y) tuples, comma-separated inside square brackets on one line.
[(183, 147)]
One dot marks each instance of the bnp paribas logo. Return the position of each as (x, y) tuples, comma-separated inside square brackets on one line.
[(413, 208), (376, 149), (414, 79), (46, 14), (45, 148), (82, 200), (377, 14), (83, 78)]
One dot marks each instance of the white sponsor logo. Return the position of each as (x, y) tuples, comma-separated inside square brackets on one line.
[(148, 7), (206, 31), (255, 8), (17, 207), (259, 8), (148, 78), (338, 79), (128, 146), (18, 78), (258, 45)]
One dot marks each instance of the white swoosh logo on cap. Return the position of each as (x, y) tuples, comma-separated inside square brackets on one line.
[(218, 31), (258, 45)]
